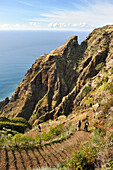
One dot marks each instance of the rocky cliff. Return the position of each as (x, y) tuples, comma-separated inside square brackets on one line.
[(55, 83)]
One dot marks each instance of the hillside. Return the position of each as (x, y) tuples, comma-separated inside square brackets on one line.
[(60, 145), (54, 84), (72, 82)]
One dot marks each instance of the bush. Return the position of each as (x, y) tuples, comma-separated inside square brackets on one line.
[(53, 132), (87, 89), (101, 132), (20, 139), (100, 66), (106, 79), (84, 159), (106, 86), (99, 84), (90, 105)]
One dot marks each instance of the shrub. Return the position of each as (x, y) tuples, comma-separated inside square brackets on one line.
[(99, 131), (20, 139), (90, 105), (87, 89), (106, 79), (100, 66), (53, 132), (56, 131), (99, 84), (84, 159), (106, 86)]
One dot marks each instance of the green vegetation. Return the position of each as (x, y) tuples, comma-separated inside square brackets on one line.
[(87, 89), (84, 159), (93, 152), (100, 66), (15, 124), (88, 101), (13, 138), (52, 133), (99, 84), (106, 79)]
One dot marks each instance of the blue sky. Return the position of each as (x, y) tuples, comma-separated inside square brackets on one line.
[(55, 14)]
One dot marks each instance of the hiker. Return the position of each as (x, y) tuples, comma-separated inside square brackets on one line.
[(39, 127), (86, 126), (78, 125)]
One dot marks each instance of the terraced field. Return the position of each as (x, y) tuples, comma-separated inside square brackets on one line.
[(41, 156)]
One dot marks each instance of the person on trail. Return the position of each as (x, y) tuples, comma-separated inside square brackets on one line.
[(78, 125), (86, 126), (39, 127)]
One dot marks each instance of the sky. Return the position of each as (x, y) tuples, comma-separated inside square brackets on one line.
[(80, 15)]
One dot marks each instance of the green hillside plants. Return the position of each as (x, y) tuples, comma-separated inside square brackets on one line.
[(88, 155), (106, 79), (87, 89), (19, 120), (52, 133), (83, 159), (16, 124), (99, 66)]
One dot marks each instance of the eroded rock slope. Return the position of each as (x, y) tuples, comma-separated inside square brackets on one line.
[(55, 81)]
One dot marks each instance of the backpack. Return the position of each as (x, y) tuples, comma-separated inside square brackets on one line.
[(87, 123)]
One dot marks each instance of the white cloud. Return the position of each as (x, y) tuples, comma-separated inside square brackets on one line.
[(28, 26), (34, 24), (58, 25), (70, 26), (89, 16)]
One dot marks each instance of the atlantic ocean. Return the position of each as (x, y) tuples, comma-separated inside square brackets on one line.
[(20, 49)]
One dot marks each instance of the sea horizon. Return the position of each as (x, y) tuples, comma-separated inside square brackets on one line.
[(20, 49)]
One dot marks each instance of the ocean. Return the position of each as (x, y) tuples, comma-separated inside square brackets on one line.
[(20, 49)]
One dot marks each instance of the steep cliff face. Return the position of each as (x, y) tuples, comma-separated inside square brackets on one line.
[(55, 82), (51, 77)]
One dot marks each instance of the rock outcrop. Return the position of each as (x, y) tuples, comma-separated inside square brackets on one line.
[(55, 81)]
